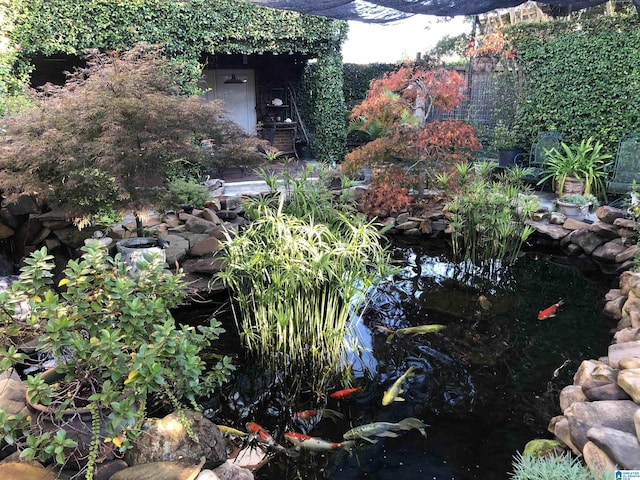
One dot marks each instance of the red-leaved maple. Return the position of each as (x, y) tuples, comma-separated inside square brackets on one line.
[(399, 104)]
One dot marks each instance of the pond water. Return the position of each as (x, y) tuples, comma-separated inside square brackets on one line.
[(485, 385)]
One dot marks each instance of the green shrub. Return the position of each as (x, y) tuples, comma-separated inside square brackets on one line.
[(113, 135), (185, 191)]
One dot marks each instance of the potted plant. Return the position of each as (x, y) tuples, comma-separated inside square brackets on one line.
[(575, 205), (580, 167), (505, 141), (112, 340)]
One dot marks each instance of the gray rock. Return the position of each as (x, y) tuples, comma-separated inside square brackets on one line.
[(586, 240), (597, 460), (207, 475), (177, 249), (609, 214), (199, 225), (612, 294), (634, 285), (604, 373), (629, 253), (626, 223), (555, 218), (605, 391), (227, 214), (555, 232), (205, 248), (605, 230), (210, 215), (409, 225), (402, 218), (12, 396), (230, 471), (22, 204), (621, 446), (571, 394), (559, 426), (573, 224), (166, 439), (629, 381), (6, 231), (613, 308), (583, 373), (182, 469), (629, 334), (618, 351), (629, 363), (583, 416), (609, 251)]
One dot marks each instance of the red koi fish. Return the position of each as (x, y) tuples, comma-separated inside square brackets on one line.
[(347, 392), (264, 437), (309, 415), (315, 444), (550, 311)]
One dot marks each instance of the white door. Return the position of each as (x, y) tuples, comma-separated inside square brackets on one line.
[(236, 88)]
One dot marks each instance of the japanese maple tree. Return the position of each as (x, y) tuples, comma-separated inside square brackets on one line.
[(399, 104)]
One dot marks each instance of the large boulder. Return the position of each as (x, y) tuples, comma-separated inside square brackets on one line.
[(167, 439)]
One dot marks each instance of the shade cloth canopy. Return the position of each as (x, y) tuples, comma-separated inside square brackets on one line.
[(389, 10)]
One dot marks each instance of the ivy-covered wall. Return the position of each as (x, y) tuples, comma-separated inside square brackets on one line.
[(187, 29), (581, 78)]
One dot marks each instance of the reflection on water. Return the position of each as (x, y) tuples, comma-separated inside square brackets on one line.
[(486, 384)]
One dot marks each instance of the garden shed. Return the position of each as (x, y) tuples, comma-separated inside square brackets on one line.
[(265, 64)]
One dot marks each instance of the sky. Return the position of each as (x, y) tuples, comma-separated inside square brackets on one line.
[(370, 43)]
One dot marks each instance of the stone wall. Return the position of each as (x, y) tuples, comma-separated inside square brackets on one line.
[(192, 239)]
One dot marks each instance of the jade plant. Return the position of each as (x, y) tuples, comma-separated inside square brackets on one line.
[(113, 341)]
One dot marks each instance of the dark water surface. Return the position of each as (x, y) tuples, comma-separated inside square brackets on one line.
[(485, 385)]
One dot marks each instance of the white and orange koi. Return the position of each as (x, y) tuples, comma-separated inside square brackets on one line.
[(315, 444)]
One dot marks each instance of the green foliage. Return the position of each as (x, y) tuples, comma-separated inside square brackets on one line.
[(187, 29), (578, 199), (561, 467), (298, 272), (581, 77), (487, 218), (110, 138), (185, 191), (504, 138), (449, 46), (357, 79), (328, 107), (114, 340), (585, 161)]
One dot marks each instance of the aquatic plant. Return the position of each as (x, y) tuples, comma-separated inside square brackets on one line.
[(528, 467), (297, 282), (487, 219)]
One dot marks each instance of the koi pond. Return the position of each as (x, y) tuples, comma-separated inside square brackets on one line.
[(485, 385)]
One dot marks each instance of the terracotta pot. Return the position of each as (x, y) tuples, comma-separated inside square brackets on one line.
[(571, 185)]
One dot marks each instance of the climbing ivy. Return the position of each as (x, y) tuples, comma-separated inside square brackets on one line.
[(582, 78), (328, 107), (187, 29)]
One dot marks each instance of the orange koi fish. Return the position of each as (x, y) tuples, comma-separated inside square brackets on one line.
[(309, 415), (550, 311), (315, 444), (264, 437), (347, 392)]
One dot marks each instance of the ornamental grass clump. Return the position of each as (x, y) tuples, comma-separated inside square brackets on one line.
[(487, 220), (299, 284), (557, 467)]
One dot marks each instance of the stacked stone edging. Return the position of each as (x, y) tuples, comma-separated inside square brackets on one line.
[(193, 238), (601, 410)]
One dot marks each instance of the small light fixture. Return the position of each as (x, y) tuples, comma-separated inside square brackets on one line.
[(233, 80)]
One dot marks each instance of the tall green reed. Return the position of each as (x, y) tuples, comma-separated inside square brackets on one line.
[(298, 273), (487, 220)]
